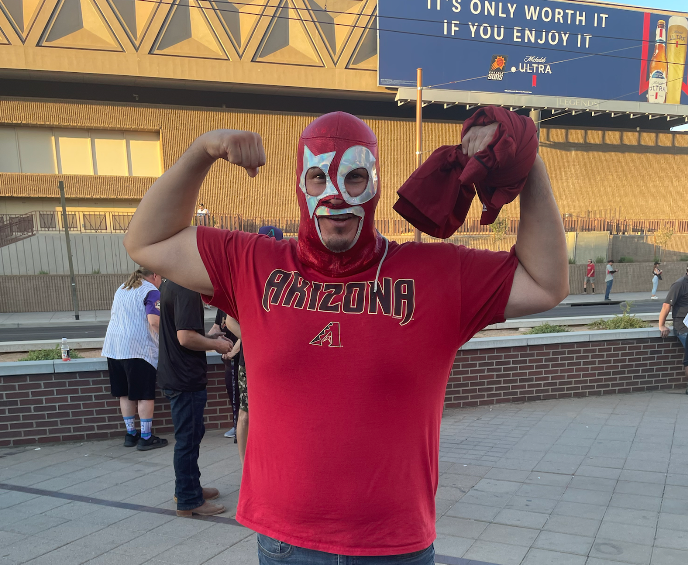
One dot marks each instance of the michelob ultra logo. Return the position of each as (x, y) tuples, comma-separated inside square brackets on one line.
[(497, 66)]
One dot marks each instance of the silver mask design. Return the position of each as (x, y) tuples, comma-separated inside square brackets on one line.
[(323, 163), (357, 157)]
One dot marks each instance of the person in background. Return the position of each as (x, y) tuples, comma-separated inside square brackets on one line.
[(183, 377), (231, 362), (656, 277), (676, 301), (131, 348), (609, 278), (589, 277)]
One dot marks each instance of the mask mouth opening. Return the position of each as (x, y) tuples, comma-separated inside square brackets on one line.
[(346, 213)]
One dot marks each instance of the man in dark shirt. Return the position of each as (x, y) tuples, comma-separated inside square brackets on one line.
[(677, 301), (182, 376)]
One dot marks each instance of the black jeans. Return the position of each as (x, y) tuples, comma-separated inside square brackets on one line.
[(187, 417)]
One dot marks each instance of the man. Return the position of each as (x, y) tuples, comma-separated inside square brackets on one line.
[(339, 461), (131, 347), (609, 278), (677, 301), (589, 277), (182, 376)]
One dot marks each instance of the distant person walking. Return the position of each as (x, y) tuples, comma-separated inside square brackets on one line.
[(609, 278), (131, 348), (677, 301), (656, 277), (183, 379), (589, 277)]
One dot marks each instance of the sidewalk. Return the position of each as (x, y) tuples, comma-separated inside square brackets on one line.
[(86, 318), (90, 317), (615, 297), (593, 481)]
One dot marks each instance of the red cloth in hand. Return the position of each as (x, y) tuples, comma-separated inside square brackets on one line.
[(438, 195)]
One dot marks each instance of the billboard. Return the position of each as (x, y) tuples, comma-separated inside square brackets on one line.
[(530, 50)]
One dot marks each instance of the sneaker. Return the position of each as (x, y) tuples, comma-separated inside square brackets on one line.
[(654, 297), (153, 442), (131, 440), (206, 509), (231, 433)]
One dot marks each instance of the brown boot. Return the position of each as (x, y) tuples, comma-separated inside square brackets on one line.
[(208, 494), (206, 509)]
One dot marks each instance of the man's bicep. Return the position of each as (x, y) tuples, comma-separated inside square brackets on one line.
[(178, 259), (526, 297)]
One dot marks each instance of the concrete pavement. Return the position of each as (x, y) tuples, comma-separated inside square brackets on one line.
[(594, 481)]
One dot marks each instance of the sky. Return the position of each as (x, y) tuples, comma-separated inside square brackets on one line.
[(676, 5)]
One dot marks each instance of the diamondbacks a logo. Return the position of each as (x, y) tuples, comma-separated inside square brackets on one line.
[(497, 66), (329, 336)]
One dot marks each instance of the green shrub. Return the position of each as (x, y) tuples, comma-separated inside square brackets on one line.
[(95, 272), (624, 321), (683, 258), (572, 261), (49, 354), (42, 272), (547, 329), (625, 259), (600, 259)]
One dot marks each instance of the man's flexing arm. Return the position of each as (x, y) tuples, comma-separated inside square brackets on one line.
[(159, 235), (541, 280)]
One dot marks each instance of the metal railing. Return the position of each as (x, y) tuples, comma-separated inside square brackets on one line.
[(79, 222), (14, 228)]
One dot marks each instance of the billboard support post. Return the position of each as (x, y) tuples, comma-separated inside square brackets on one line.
[(65, 223), (535, 116), (419, 130)]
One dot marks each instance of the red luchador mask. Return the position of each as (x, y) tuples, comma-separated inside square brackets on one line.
[(338, 143)]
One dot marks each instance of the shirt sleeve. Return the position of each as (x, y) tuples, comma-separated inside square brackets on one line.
[(188, 311), (485, 282), (672, 294), (152, 302), (220, 251)]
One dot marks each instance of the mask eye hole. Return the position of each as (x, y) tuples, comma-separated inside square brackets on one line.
[(356, 181), (316, 181)]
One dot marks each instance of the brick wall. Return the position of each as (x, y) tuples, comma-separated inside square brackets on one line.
[(78, 406), (564, 370)]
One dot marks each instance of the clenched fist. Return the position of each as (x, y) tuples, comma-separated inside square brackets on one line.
[(477, 138), (242, 148)]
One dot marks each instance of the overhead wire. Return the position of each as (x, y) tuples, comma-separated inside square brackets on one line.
[(375, 15)]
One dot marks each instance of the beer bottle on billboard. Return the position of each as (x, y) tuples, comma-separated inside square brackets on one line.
[(677, 40), (657, 89)]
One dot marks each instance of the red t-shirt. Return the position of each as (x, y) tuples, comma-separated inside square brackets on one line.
[(590, 271), (346, 385)]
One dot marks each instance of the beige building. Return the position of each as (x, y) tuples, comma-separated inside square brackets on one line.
[(107, 94)]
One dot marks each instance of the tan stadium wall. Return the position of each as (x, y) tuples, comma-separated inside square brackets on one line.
[(52, 293), (613, 173)]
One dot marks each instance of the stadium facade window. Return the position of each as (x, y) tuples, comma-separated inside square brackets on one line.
[(79, 152)]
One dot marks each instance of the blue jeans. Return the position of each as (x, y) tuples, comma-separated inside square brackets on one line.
[(655, 284), (682, 339), (189, 429), (609, 289), (273, 552)]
